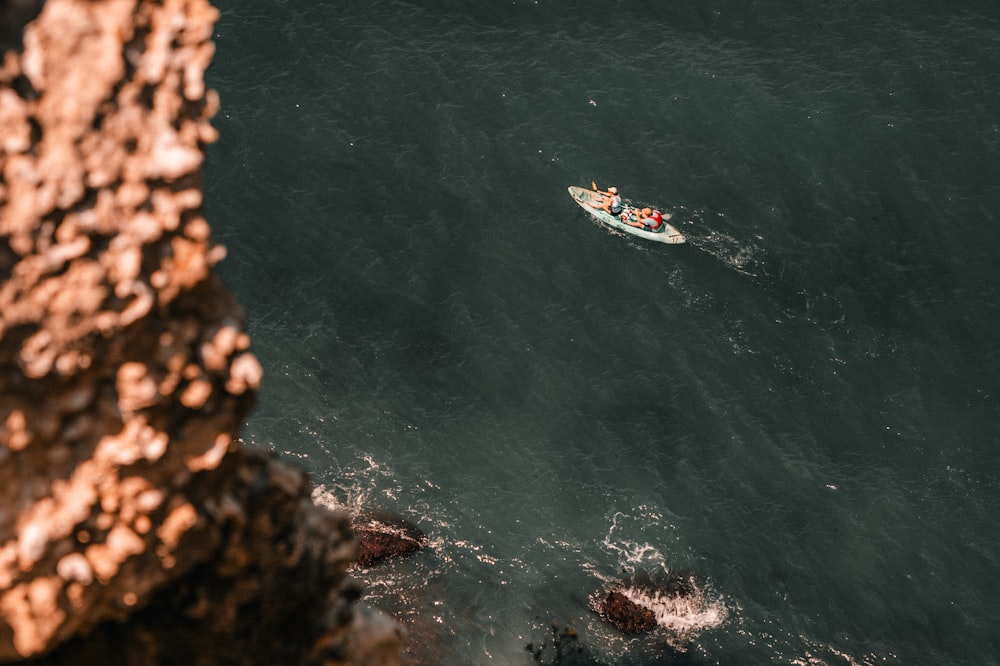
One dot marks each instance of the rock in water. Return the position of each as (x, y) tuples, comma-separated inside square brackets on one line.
[(675, 604), (629, 604), (382, 537), (621, 612)]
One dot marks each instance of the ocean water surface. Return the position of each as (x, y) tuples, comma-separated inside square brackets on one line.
[(799, 408)]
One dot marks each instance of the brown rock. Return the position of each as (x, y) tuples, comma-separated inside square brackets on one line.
[(381, 537), (626, 615), (133, 528), (628, 604)]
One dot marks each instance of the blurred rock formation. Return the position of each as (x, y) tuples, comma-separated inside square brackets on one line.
[(133, 528)]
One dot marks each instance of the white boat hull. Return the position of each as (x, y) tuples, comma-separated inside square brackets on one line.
[(585, 198)]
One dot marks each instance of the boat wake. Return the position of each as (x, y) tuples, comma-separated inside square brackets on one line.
[(740, 254)]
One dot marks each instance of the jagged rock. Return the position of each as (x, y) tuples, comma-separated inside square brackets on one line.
[(381, 537), (628, 605), (626, 615), (133, 527)]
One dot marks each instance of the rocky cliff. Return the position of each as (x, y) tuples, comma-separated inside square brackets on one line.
[(133, 527)]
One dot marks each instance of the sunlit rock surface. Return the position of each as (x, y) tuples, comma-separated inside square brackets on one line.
[(384, 537), (133, 528)]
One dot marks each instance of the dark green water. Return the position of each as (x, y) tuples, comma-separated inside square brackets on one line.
[(800, 406)]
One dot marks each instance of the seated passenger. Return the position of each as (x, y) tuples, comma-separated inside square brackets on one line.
[(654, 222), (639, 218), (611, 202)]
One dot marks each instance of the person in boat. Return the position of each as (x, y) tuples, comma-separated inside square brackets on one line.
[(611, 202), (646, 219), (637, 217), (654, 222)]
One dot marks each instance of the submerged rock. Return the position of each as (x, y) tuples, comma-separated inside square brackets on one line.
[(560, 648), (382, 537)]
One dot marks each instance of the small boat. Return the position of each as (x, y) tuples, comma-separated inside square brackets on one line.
[(585, 198)]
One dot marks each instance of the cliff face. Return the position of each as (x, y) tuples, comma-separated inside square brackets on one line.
[(128, 513)]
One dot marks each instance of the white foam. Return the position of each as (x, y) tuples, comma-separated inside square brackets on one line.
[(684, 616), (633, 555)]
